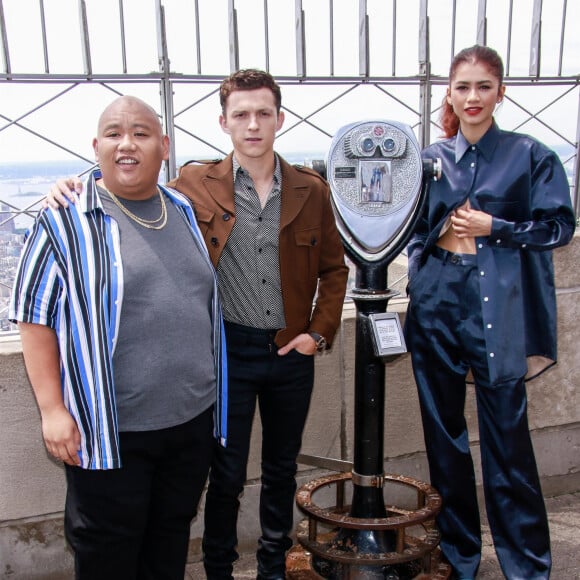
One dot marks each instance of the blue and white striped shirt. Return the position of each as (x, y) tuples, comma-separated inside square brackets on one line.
[(70, 278)]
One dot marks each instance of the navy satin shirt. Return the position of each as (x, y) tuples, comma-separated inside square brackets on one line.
[(523, 185)]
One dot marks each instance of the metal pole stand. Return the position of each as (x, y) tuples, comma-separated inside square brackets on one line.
[(369, 539)]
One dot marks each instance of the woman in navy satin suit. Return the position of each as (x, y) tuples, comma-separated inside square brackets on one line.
[(482, 301)]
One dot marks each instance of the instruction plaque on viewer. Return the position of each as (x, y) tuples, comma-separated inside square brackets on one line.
[(387, 334)]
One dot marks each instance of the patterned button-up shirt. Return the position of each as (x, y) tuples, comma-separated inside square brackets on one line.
[(249, 267)]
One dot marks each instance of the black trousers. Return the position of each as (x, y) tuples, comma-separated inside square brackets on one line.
[(133, 523), (282, 385), (446, 338)]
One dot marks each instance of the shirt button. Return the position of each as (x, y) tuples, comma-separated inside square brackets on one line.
[(489, 326), (263, 281), (268, 312), (491, 354), (226, 217), (480, 246), (486, 299), (260, 219), (524, 245), (498, 241), (482, 273), (473, 147), (259, 250), (472, 165)]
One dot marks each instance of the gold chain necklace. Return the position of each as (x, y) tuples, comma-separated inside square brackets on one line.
[(155, 224)]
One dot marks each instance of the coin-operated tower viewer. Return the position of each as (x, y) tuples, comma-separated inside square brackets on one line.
[(378, 182)]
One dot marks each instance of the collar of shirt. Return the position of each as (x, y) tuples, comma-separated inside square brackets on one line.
[(91, 201), (486, 145), (238, 170)]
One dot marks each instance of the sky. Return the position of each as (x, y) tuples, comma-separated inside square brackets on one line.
[(71, 118)]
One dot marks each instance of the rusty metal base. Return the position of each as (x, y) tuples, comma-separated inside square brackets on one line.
[(299, 566), (339, 552)]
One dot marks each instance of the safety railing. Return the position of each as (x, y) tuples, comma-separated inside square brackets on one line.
[(62, 61)]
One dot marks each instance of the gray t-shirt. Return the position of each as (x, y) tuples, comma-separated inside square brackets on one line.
[(163, 361)]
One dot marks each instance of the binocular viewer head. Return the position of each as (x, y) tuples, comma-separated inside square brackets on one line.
[(377, 141), (376, 176)]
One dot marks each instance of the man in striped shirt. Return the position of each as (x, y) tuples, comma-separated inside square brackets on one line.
[(121, 329)]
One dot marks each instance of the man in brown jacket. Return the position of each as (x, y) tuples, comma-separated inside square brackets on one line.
[(271, 233), (272, 236)]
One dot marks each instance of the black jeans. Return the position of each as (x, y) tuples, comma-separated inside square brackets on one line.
[(133, 523), (282, 385)]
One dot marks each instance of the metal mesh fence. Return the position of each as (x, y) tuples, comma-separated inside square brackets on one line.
[(337, 61)]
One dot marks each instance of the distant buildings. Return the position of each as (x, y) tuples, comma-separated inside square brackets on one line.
[(10, 247), (6, 221)]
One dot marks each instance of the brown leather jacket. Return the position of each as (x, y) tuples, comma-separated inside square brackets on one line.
[(311, 253)]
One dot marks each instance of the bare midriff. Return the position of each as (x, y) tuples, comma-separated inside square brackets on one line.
[(450, 242)]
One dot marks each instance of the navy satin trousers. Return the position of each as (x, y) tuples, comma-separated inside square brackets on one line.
[(282, 386), (444, 332)]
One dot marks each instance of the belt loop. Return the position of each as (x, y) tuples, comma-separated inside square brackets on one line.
[(271, 343), (454, 258)]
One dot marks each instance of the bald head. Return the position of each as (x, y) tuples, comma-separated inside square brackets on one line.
[(130, 104)]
